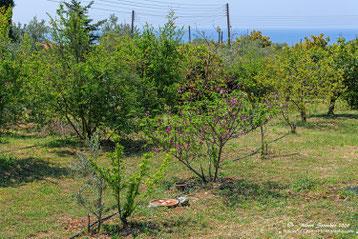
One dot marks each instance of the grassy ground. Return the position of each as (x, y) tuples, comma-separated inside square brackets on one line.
[(308, 179)]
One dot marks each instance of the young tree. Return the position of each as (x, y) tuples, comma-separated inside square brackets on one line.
[(301, 77), (203, 128), (91, 195), (127, 182), (245, 75), (161, 62)]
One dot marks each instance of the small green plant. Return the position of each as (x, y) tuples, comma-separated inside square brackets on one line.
[(125, 182), (91, 195)]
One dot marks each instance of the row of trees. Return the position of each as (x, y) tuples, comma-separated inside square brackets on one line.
[(96, 81), (189, 100), (68, 72)]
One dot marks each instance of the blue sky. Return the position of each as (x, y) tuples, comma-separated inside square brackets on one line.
[(259, 14)]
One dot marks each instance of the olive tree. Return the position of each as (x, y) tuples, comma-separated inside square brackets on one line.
[(300, 79)]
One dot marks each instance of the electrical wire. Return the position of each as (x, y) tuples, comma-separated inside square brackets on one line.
[(214, 14), (140, 12), (181, 12), (126, 2), (183, 4)]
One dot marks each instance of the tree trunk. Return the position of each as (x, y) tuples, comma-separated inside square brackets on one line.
[(263, 151), (217, 164), (293, 128), (303, 116), (124, 222), (332, 105)]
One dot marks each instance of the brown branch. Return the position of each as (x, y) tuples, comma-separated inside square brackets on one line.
[(259, 148), (94, 223)]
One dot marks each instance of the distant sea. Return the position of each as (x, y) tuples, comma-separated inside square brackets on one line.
[(290, 36)]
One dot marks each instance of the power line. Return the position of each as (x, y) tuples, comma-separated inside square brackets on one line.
[(142, 13), (164, 9), (212, 15), (181, 4), (102, 9), (126, 2), (290, 16), (160, 8), (155, 14)]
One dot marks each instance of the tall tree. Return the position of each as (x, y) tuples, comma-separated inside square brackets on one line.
[(8, 4), (10, 75), (346, 59), (82, 12), (87, 85), (36, 31), (115, 29)]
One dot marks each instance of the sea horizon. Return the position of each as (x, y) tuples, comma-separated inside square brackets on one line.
[(289, 36)]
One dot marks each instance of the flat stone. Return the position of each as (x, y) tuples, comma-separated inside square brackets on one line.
[(183, 201)]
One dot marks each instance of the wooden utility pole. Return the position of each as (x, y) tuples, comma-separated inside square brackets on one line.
[(228, 24), (132, 27), (189, 34), (218, 29)]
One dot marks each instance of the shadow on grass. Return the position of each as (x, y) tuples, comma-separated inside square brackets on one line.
[(65, 153), (15, 172), (60, 143), (131, 147), (353, 189), (330, 123), (149, 228), (238, 191), (134, 147), (326, 116), (18, 135)]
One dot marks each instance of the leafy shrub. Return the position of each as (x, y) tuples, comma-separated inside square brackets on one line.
[(125, 182)]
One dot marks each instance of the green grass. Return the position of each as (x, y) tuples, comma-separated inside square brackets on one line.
[(308, 178)]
